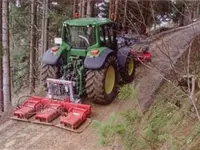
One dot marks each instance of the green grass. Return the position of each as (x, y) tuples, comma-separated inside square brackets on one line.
[(108, 130), (117, 125), (127, 92)]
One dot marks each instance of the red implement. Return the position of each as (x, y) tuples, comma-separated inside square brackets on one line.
[(142, 56), (29, 108), (76, 116), (51, 112), (58, 113)]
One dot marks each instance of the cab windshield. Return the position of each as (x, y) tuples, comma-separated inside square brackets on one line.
[(80, 37)]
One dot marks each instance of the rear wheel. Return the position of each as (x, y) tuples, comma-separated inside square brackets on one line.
[(102, 84), (129, 70), (49, 71)]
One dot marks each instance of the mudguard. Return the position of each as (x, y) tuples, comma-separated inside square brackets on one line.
[(97, 62), (49, 58), (122, 55)]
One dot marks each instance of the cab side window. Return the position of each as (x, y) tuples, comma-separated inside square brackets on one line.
[(105, 35)]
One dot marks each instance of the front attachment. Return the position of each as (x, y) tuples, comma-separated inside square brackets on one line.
[(55, 110), (62, 114)]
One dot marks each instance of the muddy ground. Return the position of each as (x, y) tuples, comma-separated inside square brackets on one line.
[(20, 135)]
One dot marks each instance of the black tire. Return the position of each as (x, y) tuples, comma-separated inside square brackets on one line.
[(125, 75), (95, 82), (49, 71)]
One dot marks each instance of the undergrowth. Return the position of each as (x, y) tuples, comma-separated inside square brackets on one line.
[(127, 92), (117, 125), (156, 129)]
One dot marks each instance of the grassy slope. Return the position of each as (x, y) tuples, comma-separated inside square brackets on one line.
[(170, 123)]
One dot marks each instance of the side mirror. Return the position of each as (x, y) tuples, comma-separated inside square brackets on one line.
[(58, 41)]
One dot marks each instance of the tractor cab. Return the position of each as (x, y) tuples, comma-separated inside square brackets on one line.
[(89, 33), (79, 37)]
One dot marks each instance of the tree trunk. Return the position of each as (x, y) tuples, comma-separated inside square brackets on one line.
[(1, 67), (80, 7), (145, 14), (44, 38), (74, 8), (33, 46), (197, 10), (111, 9), (116, 10), (45, 26), (82, 10), (6, 57), (89, 8), (125, 14)]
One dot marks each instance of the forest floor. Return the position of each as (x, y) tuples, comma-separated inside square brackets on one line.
[(20, 135)]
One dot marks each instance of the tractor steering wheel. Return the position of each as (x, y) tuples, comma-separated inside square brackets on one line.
[(83, 37)]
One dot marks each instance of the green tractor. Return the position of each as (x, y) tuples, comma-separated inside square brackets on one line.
[(88, 55)]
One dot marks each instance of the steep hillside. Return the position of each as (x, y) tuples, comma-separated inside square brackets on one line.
[(170, 123)]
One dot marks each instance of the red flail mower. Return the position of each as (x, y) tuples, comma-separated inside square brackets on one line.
[(60, 110)]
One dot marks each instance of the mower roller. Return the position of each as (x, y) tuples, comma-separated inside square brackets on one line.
[(87, 60)]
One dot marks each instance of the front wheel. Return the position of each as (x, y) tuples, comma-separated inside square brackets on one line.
[(102, 84)]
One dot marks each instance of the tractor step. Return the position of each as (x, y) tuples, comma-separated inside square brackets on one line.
[(62, 114)]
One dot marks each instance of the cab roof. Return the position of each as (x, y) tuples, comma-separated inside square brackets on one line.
[(87, 21)]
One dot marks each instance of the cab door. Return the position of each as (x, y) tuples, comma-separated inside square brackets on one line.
[(107, 37)]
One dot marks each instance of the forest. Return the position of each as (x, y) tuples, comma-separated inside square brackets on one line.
[(29, 28)]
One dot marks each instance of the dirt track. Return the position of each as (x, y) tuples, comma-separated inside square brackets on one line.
[(19, 135)]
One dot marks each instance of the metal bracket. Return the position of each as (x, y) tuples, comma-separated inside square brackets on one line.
[(60, 88)]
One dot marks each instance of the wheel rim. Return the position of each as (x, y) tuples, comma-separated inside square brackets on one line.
[(109, 79), (130, 66)]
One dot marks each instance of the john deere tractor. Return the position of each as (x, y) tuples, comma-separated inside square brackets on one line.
[(87, 54)]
